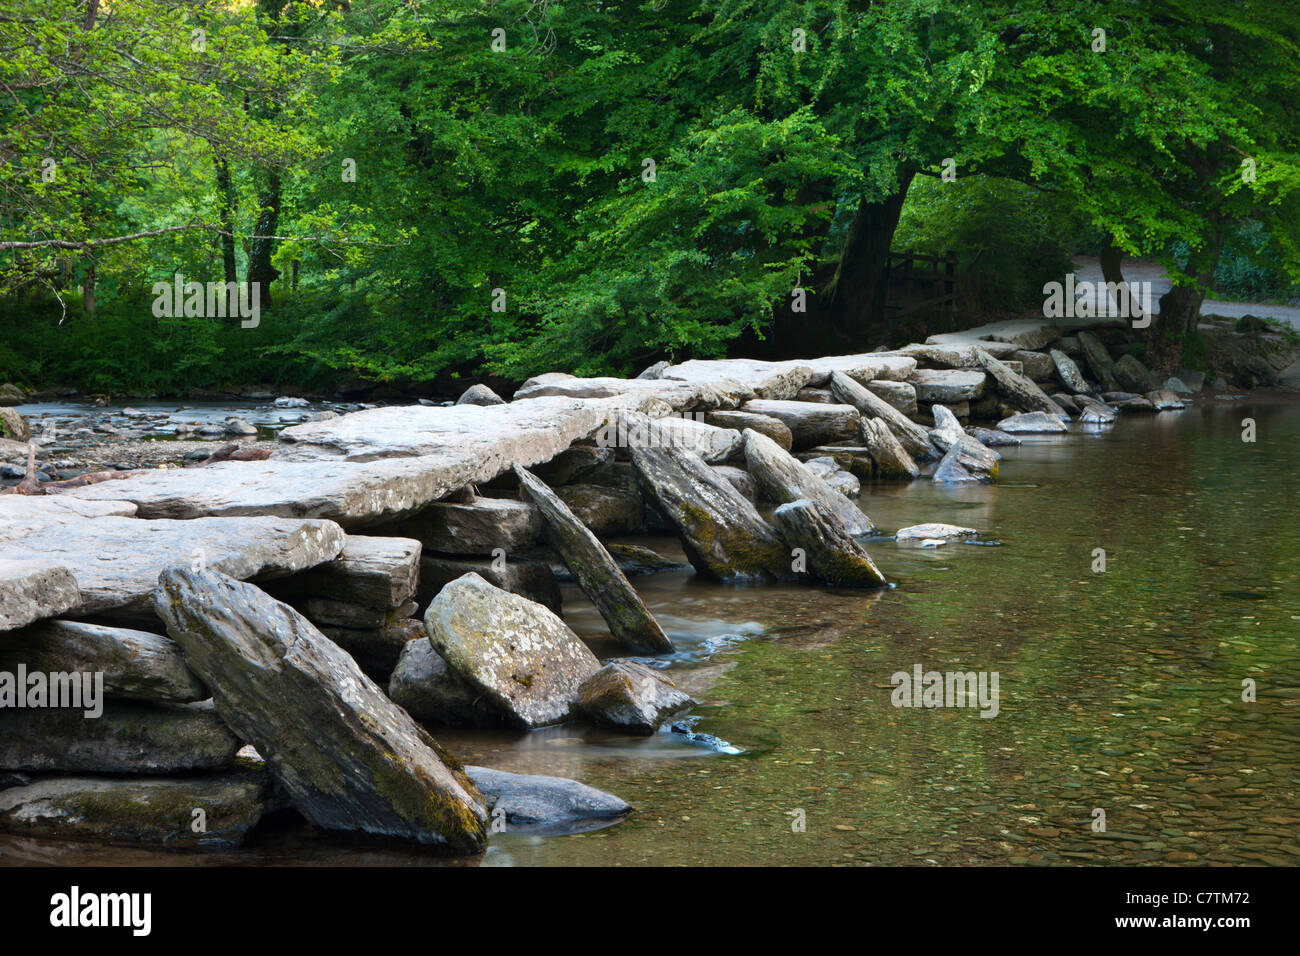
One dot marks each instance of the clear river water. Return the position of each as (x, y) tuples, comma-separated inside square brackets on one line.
[(1119, 691)]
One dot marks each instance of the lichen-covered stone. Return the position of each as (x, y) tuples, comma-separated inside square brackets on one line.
[(158, 812), (525, 661), (128, 737)]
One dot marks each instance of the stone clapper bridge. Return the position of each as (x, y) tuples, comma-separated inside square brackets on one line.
[(355, 523)]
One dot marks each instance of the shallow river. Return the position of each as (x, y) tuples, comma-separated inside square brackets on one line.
[(1120, 691)]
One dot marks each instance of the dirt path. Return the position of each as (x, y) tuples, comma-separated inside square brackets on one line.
[(1142, 270)]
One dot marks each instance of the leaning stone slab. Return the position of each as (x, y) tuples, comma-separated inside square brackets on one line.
[(952, 470), (1017, 389), (349, 758), (631, 697), (783, 478), (947, 429), (128, 737), (155, 811), (542, 805), (832, 555), (948, 385), (891, 458), (934, 530), (524, 660), (135, 664), (911, 435), (379, 572), (428, 690), (721, 531), (479, 526), (630, 621), (810, 423), (1068, 372), (974, 457), (32, 589), (1099, 360), (1031, 423), (116, 560)]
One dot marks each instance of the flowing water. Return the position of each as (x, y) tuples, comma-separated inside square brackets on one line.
[(1119, 691)]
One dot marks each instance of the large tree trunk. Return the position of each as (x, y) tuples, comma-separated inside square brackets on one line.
[(261, 248), (1112, 259), (854, 300), (226, 198), (1180, 309)]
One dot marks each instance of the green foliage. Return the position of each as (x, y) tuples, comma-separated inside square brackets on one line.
[(1009, 238), (522, 169)]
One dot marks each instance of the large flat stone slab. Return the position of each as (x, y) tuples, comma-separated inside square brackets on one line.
[(948, 385), (34, 589), (127, 737), (376, 572), (154, 811), (116, 561), (27, 507), (774, 380), (680, 395), (487, 440), (136, 664), (867, 367)]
